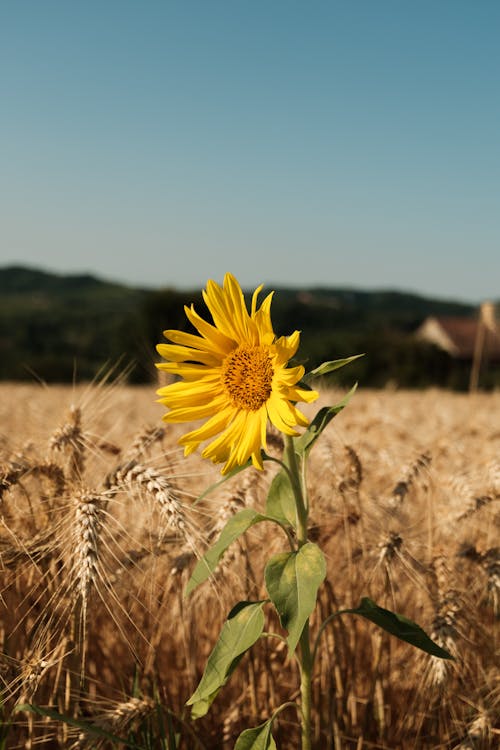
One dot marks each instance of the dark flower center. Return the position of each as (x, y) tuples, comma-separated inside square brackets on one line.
[(247, 376)]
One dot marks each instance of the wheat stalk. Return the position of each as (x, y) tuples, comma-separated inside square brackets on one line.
[(444, 625)]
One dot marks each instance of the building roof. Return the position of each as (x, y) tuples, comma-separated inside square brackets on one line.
[(458, 336)]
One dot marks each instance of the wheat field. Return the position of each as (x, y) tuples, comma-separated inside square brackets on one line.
[(99, 531)]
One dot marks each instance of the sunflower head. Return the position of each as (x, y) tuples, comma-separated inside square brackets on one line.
[(234, 375)]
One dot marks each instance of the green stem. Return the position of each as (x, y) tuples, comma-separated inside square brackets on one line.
[(306, 687), (296, 479)]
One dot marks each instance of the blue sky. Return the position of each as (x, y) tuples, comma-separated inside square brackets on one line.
[(292, 143)]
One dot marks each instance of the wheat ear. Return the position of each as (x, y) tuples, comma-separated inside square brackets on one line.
[(148, 479), (70, 438)]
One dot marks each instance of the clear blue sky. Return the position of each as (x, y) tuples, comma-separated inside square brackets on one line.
[(295, 143)]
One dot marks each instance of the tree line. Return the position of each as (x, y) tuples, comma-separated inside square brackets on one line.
[(59, 328)]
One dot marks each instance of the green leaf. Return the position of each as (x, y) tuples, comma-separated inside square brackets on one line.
[(398, 625), (326, 367), (304, 443), (244, 626), (235, 527), (292, 580), (280, 503), (258, 738)]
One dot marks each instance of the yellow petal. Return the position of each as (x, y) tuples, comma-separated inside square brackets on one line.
[(190, 371), (191, 414), (179, 395), (262, 319), (255, 296), (280, 415), (212, 427), (290, 375), (301, 394), (223, 343), (244, 325), (183, 354), (220, 448), (249, 440), (286, 347), (189, 340)]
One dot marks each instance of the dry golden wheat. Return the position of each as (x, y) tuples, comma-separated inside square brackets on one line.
[(103, 531)]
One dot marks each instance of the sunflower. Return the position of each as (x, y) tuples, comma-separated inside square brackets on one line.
[(235, 375)]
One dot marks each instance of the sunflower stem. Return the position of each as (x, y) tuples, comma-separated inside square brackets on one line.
[(297, 478), (305, 687)]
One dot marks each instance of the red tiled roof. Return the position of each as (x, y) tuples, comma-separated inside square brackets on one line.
[(463, 333)]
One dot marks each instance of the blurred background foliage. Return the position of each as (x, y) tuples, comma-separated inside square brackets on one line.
[(60, 328)]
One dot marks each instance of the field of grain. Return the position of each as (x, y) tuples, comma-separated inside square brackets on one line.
[(99, 533)]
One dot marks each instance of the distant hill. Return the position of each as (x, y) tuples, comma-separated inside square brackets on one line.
[(54, 326), (17, 282), (350, 306)]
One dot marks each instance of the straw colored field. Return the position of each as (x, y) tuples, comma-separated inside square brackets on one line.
[(99, 532)]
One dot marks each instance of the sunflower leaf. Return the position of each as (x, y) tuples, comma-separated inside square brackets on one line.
[(234, 528), (280, 501), (398, 625), (292, 581), (243, 627), (304, 443), (326, 367), (258, 738)]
